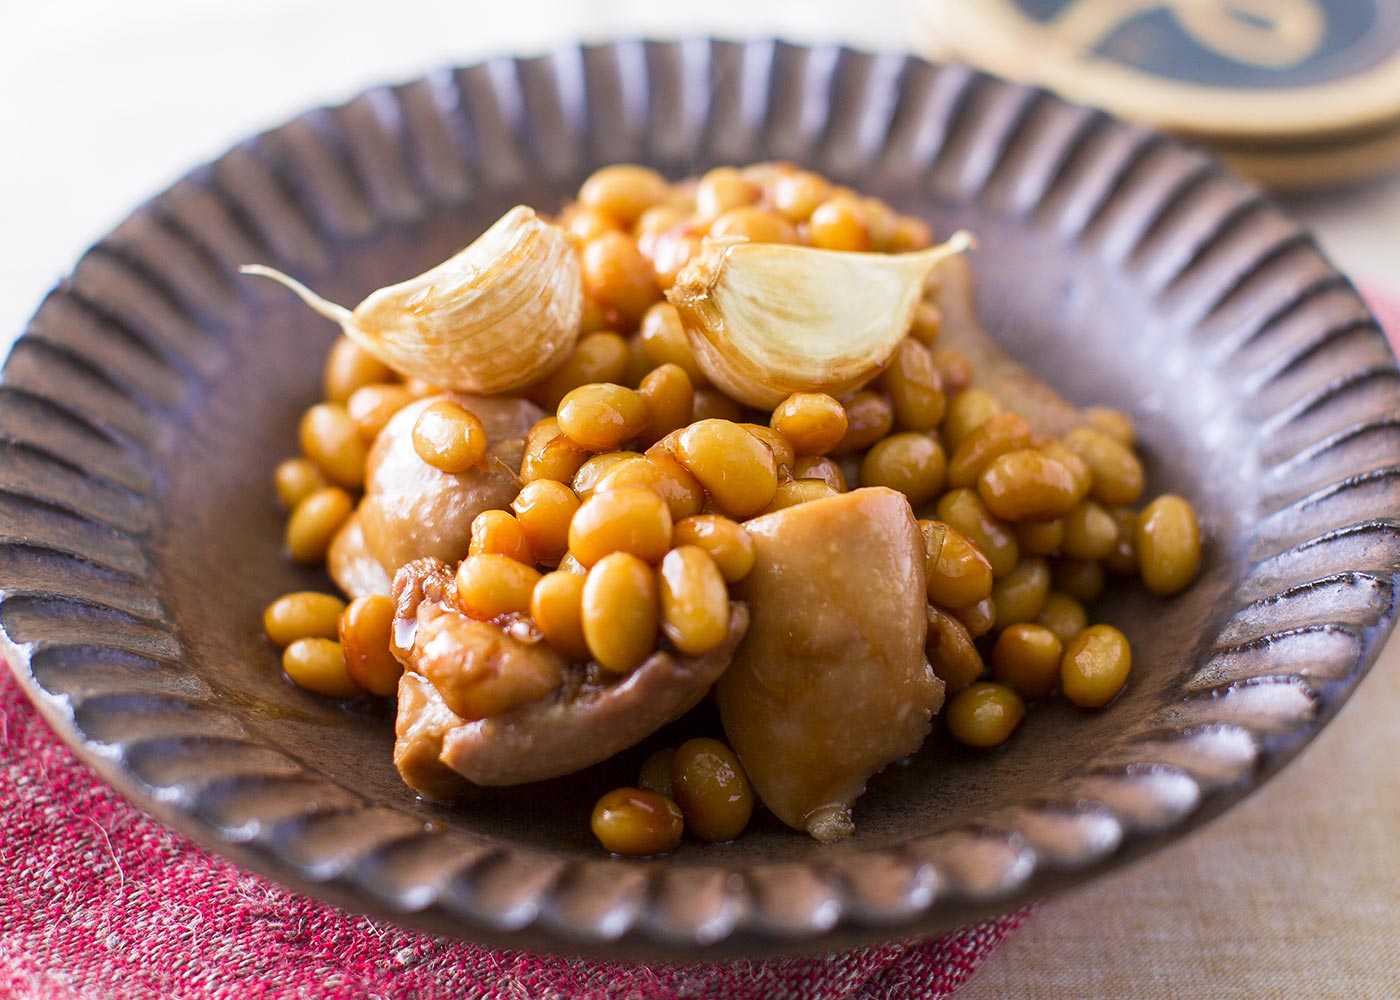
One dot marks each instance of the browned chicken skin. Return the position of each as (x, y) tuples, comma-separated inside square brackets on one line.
[(585, 722), (830, 685), (411, 510), (588, 717), (352, 565), (419, 727)]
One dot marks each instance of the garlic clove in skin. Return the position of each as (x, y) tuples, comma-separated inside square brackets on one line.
[(494, 318), (765, 320)]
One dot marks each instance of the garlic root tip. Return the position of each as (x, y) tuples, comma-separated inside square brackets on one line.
[(331, 310), (961, 241)]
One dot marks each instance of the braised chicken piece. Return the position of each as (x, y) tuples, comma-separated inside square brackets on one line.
[(412, 510), (589, 719), (351, 564), (423, 719), (491, 702), (830, 685)]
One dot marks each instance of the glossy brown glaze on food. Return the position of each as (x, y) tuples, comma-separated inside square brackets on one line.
[(830, 685), (351, 564), (586, 717), (585, 722), (748, 424), (422, 720), (412, 510)]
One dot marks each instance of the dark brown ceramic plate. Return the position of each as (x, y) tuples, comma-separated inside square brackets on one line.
[(145, 408)]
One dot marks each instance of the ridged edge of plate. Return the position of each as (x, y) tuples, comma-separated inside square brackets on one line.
[(88, 393)]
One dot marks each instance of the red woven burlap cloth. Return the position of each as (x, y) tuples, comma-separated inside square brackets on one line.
[(98, 900)]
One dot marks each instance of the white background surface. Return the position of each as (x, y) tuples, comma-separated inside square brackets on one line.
[(103, 103), (106, 102)]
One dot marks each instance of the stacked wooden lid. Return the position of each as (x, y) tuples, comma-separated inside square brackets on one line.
[(1294, 93)]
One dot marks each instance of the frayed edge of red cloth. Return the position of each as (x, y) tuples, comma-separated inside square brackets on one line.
[(101, 901)]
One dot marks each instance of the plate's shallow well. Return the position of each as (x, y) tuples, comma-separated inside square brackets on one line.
[(145, 409)]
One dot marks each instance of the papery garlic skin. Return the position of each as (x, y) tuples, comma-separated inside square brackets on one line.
[(497, 316), (765, 320)]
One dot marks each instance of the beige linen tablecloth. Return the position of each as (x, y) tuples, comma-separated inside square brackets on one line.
[(1293, 893)]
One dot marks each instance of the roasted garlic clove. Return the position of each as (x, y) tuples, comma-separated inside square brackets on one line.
[(766, 320), (495, 317)]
